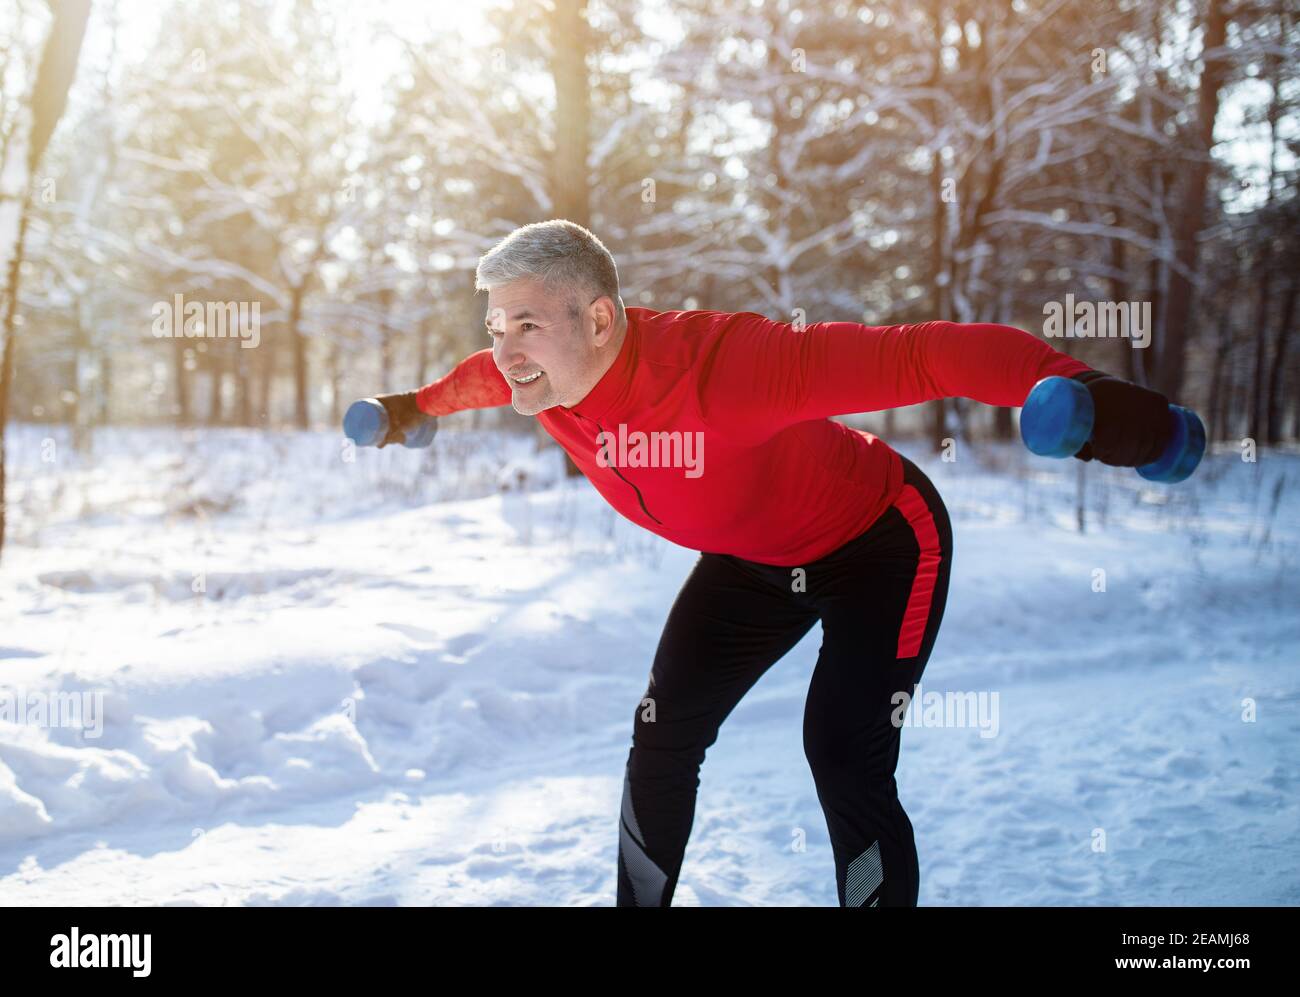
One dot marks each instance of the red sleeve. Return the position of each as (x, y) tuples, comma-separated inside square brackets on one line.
[(475, 382), (759, 375)]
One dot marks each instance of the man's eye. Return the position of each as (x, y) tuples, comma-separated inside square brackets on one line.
[(528, 325)]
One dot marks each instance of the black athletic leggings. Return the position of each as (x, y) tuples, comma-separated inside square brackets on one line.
[(880, 599)]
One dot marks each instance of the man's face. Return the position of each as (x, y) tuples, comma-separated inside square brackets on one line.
[(538, 346)]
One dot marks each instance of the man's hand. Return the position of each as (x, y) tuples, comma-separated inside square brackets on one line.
[(1131, 424), (403, 416)]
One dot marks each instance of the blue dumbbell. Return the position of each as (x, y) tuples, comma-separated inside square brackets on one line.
[(1057, 420), (366, 423)]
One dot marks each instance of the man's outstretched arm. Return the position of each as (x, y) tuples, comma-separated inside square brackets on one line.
[(475, 382), (761, 376)]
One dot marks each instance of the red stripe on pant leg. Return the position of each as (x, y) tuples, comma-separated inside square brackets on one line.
[(918, 516)]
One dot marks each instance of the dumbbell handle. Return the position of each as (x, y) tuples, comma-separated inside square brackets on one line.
[(1057, 420), (366, 424)]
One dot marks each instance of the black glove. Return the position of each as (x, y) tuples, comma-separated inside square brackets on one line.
[(403, 416), (1131, 424)]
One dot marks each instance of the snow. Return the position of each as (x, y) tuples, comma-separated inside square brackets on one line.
[(409, 679)]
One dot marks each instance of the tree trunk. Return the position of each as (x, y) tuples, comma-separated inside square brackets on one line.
[(217, 371), (1259, 412), (182, 413), (422, 351), (1120, 291), (9, 305), (936, 414), (335, 415), (1214, 405), (385, 298), (570, 43), (1256, 425), (1004, 428), (299, 356), (29, 137), (1173, 357), (1274, 421), (1143, 368), (262, 416), (243, 388), (1231, 424), (104, 410)]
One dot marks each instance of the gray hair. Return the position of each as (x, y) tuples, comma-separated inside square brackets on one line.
[(561, 254)]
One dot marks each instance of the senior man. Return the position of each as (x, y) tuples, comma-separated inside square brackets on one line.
[(797, 518)]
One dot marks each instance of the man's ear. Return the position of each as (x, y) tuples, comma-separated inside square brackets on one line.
[(605, 316)]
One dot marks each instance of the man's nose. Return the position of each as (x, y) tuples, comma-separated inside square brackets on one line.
[(509, 353)]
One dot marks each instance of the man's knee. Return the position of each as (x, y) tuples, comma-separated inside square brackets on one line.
[(669, 727), (844, 762)]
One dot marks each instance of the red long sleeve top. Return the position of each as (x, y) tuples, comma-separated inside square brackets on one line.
[(776, 480)]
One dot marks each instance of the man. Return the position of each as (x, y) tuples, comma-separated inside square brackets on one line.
[(711, 429)]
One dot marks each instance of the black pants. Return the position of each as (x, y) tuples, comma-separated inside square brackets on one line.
[(880, 598)]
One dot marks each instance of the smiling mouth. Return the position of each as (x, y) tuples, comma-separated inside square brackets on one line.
[(528, 379)]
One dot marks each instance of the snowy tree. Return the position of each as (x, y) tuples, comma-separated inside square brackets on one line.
[(28, 122)]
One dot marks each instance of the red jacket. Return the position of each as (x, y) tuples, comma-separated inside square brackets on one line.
[(779, 482)]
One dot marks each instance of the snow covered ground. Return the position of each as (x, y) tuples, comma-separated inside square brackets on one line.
[(410, 679)]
